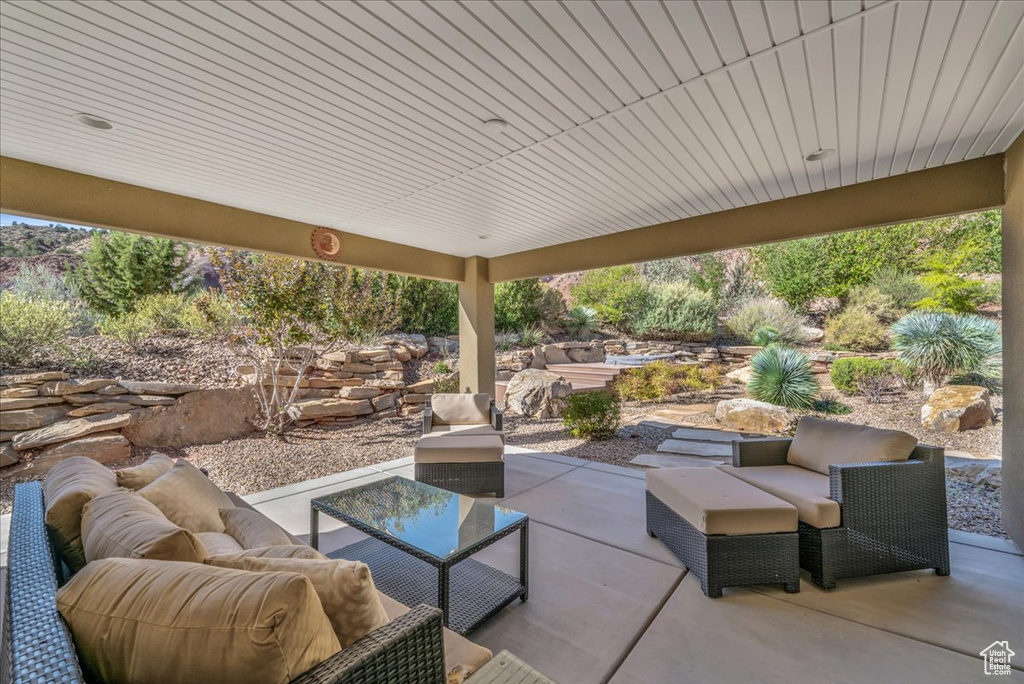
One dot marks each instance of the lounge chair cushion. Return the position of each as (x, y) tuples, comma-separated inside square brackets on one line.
[(448, 448), (146, 473), (820, 443), (218, 544), (473, 430), (715, 503), (237, 560), (252, 529), (460, 409), (345, 589), (70, 485), (805, 489), (141, 621), (122, 524), (188, 498), (461, 656)]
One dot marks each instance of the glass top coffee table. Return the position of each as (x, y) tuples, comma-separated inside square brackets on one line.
[(421, 540)]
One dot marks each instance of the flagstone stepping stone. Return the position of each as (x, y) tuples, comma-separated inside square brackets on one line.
[(674, 461), (700, 434), (690, 448)]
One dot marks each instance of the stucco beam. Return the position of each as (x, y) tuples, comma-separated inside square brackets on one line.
[(952, 189), (45, 192)]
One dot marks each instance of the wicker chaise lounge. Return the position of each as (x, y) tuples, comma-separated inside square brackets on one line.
[(462, 447)]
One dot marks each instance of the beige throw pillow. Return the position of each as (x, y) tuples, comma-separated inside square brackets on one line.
[(252, 529), (219, 543), (146, 473), (188, 498), (140, 622), (460, 409), (121, 524), (345, 589), (820, 443), (237, 560), (70, 485)]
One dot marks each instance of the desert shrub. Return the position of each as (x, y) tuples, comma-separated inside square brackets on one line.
[(875, 302), (611, 292), (430, 307), (372, 306), (661, 379), (448, 384), (216, 315), (866, 376), (531, 336), (441, 368), (783, 376), (903, 288), (978, 236), (743, 283), (939, 345), (592, 415), (677, 311), (665, 271), (581, 322), (831, 405), (855, 328), (506, 342), (752, 315), (130, 329), (950, 289), (710, 274), (517, 303), (169, 313), (764, 336), (32, 327), (38, 282), (552, 311)]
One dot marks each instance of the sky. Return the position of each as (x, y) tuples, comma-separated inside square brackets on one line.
[(8, 219)]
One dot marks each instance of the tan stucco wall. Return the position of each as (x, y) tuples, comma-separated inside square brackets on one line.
[(1013, 345), (953, 189), (476, 329), (46, 192)]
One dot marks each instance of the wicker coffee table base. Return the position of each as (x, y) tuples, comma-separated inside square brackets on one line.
[(721, 560)]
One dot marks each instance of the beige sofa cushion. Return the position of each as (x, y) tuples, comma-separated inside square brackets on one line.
[(252, 529), (70, 485), (188, 498), (219, 544), (122, 524), (447, 448), (146, 473), (237, 560), (473, 430), (715, 503), (820, 443), (345, 589), (805, 489), (139, 621), (461, 656), (460, 409)]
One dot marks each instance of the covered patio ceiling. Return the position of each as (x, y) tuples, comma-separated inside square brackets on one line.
[(368, 116)]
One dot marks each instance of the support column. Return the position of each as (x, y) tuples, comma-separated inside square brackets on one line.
[(476, 329), (1013, 344)]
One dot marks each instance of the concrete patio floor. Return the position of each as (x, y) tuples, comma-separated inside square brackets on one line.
[(610, 604)]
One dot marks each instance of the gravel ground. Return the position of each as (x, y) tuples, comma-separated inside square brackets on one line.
[(974, 508)]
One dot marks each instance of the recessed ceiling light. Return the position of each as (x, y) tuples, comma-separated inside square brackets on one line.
[(484, 237), (820, 154), (494, 126), (93, 121)]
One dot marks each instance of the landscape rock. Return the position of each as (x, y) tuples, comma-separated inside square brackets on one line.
[(537, 393), (111, 391), (323, 408), (955, 408), (32, 378), (749, 415), (101, 407), (30, 419), (202, 417), (742, 375), (387, 384), (385, 401), (28, 402), (83, 399), (587, 355), (158, 387), (148, 400), (56, 388), (8, 455), (555, 355), (67, 430), (360, 392), (421, 387), (18, 392), (812, 334), (415, 398), (105, 448)]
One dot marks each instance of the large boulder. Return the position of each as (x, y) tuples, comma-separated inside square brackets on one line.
[(105, 448), (202, 417), (741, 375), (590, 354), (748, 415), (537, 393), (553, 355), (955, 408)]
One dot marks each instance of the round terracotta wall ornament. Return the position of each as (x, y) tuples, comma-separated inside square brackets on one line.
[(326, 244)]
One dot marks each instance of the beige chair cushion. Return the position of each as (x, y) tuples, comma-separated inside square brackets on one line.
[(820, 443), (345, 589), (465, 430), (715, 503), (219, 544), (146, 473), (237, 560), (460, 409), (188, 498), (252, 529), (140, 622), (461, 656), (121, 524), (805, 489), (446, 448), (70, 485)]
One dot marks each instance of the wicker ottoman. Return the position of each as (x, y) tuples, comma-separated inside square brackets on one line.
[(725, 531), (461, 463)]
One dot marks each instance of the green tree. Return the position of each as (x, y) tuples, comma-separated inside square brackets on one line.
[(613, 293), (517, 304), (120, 269), (429, 307)]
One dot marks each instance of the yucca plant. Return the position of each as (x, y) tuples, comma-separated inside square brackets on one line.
[(939, 345), (581, 321), (782, 376), (764, 336), (506, 342), (531, 336)]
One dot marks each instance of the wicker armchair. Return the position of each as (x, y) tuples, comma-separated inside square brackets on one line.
[(484, 433), (893, 514), (37, 645)]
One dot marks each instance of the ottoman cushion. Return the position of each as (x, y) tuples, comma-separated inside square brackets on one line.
[(447, 448), (715, 503), (805, 489)]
